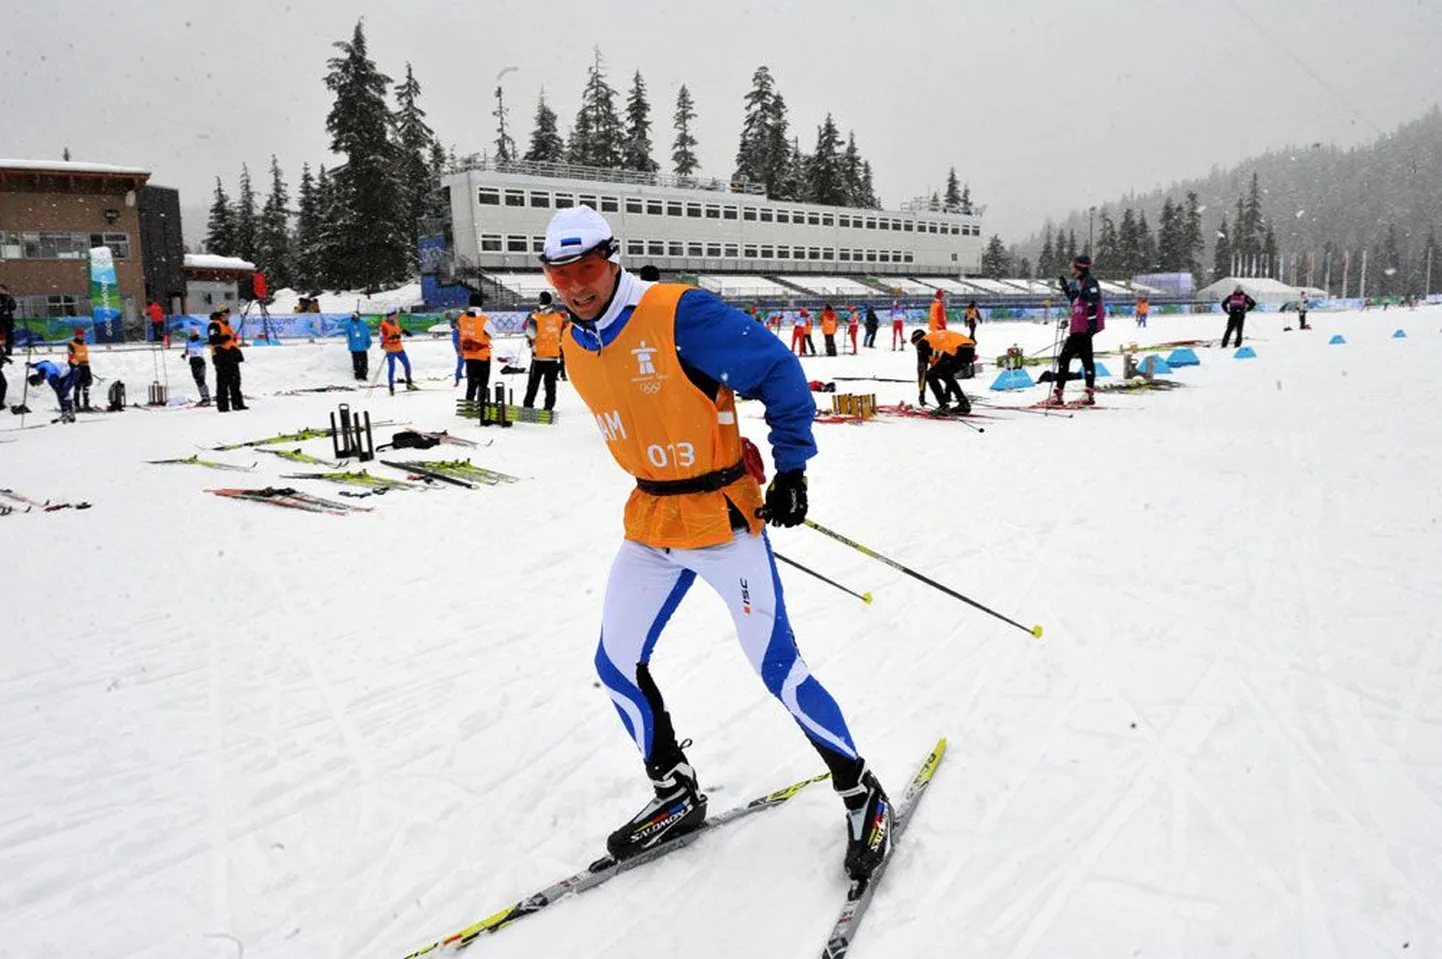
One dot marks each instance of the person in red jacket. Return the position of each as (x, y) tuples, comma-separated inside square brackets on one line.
[(853, 326), (156, 315)]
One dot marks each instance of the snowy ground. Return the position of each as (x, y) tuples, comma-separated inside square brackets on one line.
[(226, 724)]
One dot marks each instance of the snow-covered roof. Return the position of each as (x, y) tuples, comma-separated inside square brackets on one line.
[(1260, 288), (208, 261), (72, 166)]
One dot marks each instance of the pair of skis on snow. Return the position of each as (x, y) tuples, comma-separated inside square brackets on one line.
[(843, 931)]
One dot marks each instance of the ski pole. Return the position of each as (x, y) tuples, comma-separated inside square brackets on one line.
[(864, 597), (866, 551)]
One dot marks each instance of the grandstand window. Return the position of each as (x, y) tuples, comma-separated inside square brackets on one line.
[(731, 251), (908, 226), (828, 254), (813, 219), (540, 199), (675, 248), (783, 253), (585, 200), (693, 249), (844, 221), (635, 248), (954, 229), (748, 214), (517, 244), (564, 200), (907, 258), (931, 228), (488, 197), (814, 253), (713, 250), (655, 208), (728, 213), (655, 248), (768, 253), (844, 255), (713, 212), (885, 256), (783, 216), (870, 223), (673, 208), (749, 251), (766, 215), (538, 244), (693, 210), (634, 205), (798, 252), (610, 204), (490, 243), (896, 225), (883, 224), (870, 256), (515, 198), (826, 219), (953, 258)]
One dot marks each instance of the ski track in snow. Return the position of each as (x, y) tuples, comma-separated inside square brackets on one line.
[(229, 727)]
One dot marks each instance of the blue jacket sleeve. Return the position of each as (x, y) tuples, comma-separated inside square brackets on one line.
[(741, 354)]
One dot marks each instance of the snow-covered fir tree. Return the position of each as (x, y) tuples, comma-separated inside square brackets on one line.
[(825, 173), (596, 137), (245, 217), (636, 147), (683, 148), (273, 240), (546, 143), (220, 225), (306, 271)]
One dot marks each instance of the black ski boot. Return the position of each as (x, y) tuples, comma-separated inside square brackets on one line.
[(679, 808), (868, 825)]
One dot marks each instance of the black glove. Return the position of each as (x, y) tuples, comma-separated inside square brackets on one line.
[(786, 499), (1092, 326), (1065, 290)]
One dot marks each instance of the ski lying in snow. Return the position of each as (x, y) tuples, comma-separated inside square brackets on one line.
[(923, 412), (355, 478), (449, 470), (604, 869), (299, 436), (195, 460), (296, 456), (15, 500), (292, 499), (858, 896)]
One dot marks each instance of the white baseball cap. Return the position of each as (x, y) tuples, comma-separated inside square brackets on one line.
[(576, 231)]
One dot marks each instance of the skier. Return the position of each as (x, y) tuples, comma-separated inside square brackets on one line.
[(47, 371), (7, 321), (798, 333), (972, 317), (1302, 305), (476, 351), (872, 322), (391, 334), (1088, 318), (78, 358), (226, 357), (936, 316), (358, 341), (853, 325), (940, 355), (194, 351), (898, 331), (806, 328), (661, 392), (1237, 305), (1144, 307), (544, 329), (829, 323)]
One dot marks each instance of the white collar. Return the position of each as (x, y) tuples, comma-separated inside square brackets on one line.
[(629, 289)]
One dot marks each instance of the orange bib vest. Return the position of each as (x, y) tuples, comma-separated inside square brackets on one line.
[(946, 341), (475, 341), (828, 323), (661, 428), (936, 320), (79, 353), (227, 337), (391, 337), (548, 335)]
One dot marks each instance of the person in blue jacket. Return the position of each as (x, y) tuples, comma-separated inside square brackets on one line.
[(60, 381), (454, 318), (358, 341)]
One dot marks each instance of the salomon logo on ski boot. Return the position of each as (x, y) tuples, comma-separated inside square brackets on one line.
[(678, 808), (868, 826)]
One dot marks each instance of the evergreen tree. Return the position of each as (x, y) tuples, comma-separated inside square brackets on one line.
[(220, 227), (273, 245), (966, 199), (596, 137), (370, 250), (953, 192), (1071, 248), (414, 145), (683, 148), (307, 229), (935, 204), (1428, 264), (1269, 250), (1129, 253), (995, 261), (754, 159), (1192, 243), (505, 144), (245, 217), (851, 172), (1146, 247), (778, 148), (1046, 260), (793, 179), (1169, 238), (1252, 222), (636, 147), (1222, 251), (331, 270), (868, 196), (436, 207), (546, 144), (826, 179), (1108, 247)]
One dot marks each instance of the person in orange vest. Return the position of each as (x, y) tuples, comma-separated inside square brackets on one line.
[(544, 329), (656, 364), (806, 328), (944, 353), (972, 317), (936, 318), (157, 324), (829, 323), (391, 333), (476, 351), (1144, 307), (78, 358), (226, 357), (853, 326)]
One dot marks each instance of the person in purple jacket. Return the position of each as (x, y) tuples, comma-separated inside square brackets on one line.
[(1237, 305), (1088, 318)]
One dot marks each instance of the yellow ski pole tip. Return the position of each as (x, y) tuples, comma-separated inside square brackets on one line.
[(866, 598), (1036, 630)]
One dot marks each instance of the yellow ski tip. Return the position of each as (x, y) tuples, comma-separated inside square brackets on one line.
[(1036, 630), (866, 598)]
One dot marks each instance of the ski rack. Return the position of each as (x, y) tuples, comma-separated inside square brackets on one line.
[(351, 435)]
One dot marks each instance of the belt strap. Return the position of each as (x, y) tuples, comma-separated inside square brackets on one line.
[(711, 482)]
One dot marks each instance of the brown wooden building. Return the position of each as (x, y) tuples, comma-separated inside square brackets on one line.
[(51, 214)]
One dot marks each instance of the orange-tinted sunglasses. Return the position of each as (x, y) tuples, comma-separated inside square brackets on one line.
[(589, 270)]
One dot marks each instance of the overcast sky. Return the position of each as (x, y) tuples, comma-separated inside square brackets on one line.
[(1042, 107)]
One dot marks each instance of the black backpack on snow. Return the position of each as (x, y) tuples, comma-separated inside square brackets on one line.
[(117, 397)]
